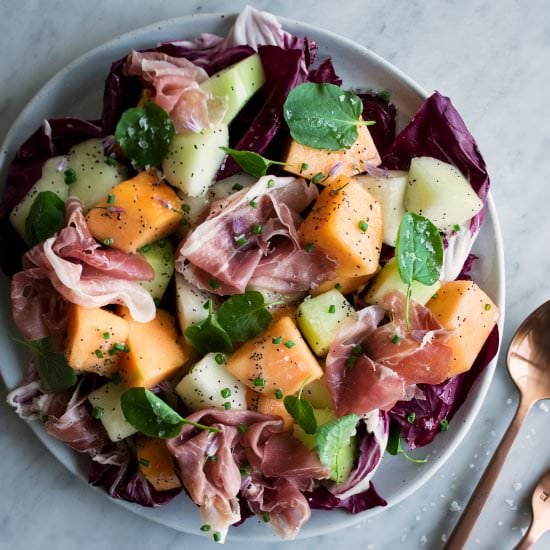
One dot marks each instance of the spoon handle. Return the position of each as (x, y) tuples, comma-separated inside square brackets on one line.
[(466, 523), (529, 540)]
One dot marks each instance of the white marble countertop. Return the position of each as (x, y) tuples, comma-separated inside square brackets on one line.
[(491, 58)]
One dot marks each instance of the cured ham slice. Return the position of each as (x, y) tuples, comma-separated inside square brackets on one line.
[(244, 235), (175, 82), (74, 264), (251, 457)]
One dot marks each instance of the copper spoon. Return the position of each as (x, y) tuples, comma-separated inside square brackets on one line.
[(541, 514), (529, 366)]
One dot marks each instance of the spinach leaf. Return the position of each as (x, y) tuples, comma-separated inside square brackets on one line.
[(244, 316), (302, 412), (331, 440), (394, 446), (208, 335), (53, 369), (46, 216), (151, 416), (419, 252), (323, 116), (252, 163), (144, 134)]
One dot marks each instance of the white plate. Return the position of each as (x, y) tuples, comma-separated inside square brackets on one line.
[(77, 91)]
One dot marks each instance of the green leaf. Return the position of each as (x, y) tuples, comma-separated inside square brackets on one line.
[(144, 134), (244, 316), (53, 369), (208, 335), (394, 446), (252, 163), (323, 116), (331, 440), (151, 416), (419, 253), (46, 216), (302, 412)]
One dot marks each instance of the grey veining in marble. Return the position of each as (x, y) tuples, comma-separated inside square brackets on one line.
[(492, 58)]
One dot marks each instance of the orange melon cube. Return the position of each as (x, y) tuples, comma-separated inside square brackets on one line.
[(461, 306), (276, 407), (137, 212), (154, 350), (346, 222), (308, 162), (277, 359), (155, 463), (92, 334)]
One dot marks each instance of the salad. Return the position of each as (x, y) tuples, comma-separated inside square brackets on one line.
[(242, 282)]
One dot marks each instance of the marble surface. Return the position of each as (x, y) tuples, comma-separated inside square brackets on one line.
[(491, 58)]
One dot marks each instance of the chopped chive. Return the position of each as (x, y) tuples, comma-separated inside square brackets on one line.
[(338, 286), (112, 351), (278, 394), (304, 166), (254, 204), (257, 228), (115, 379), (219, 358), (357, 350), (212, 458), (97, 412), (110, 199), (98, 353), (243, 470), (108, 241), (205, 528), (350, 361), (217, 536), (186, 208), (146, 248), (435, 295), (363, 225), (243, 428), (444, 425), (270, 183), (106, 335), (69, 176), (266, 517), (237, 187), (411, 417), (456, 227), (289, 344), (277, 340), (488, 307), (161, 243), (318, 178), (258, 382), (206, 305), (332, 308), (396, 339), (240, 240), (212, 283), (110, 161), (225, 393), (309, 247), (120, 347), (227, 405), (144, 462)]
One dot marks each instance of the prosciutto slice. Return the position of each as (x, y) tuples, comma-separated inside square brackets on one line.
[(225, 248), (175, 82), (367, 368), (251, 457), (71, 266)]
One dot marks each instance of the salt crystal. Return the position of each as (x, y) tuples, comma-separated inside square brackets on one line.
[(509, 401), (523, 531), (424, 508), (543, 407), (471, 466), (487, 453), (499, 523), (477, 541), (441, 495), (493, 433), (455, 506), (418, 517), (510, 502), (517, 486), (423, 540), (444, 537), (476, 455)]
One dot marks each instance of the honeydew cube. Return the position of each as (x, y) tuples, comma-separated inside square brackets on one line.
[(317, 394), (209, 384), (160, 256), (320, 318), (190, 302), (438, 191), (106, 403)]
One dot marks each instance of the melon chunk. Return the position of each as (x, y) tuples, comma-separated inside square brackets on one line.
[(276, 407), (156, 464), (154, 352), (95, 339), (317, 394), (345, 222), (106, 403), (193, 159), (320, 318), (160, 256), (210, 384), (461, 306), (389, 191), (137, 212), (238, 83), (277, 359), (325, 165), (438, 191), (389, 280), (190, 303)]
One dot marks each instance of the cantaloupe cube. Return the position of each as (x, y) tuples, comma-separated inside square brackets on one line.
[(277, 359), (95, 339), (155, 463), (137, 212), (325, 165), (461, 306), (276, 407), (345, 222), (154, 350)]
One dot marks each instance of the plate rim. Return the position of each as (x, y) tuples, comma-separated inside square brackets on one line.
[(481, 385)]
